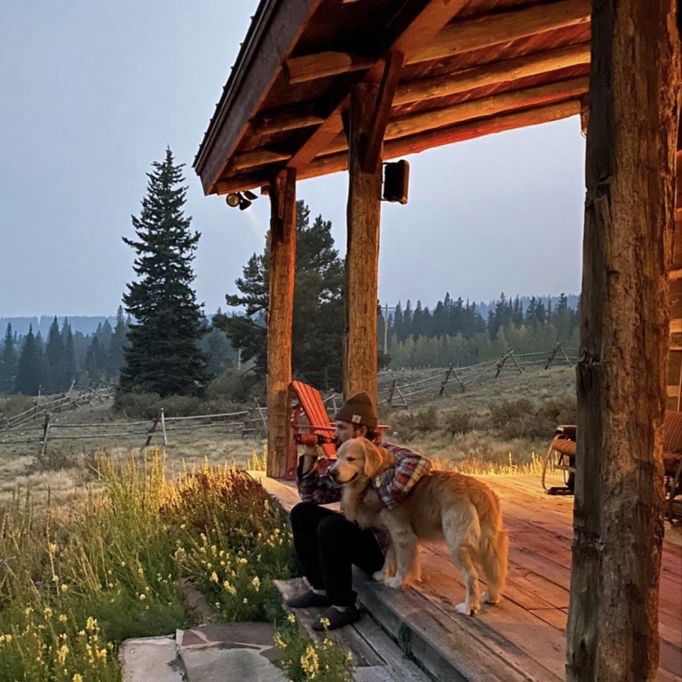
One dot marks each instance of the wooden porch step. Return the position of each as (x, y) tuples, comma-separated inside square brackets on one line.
[(376, 656), (448, 646)]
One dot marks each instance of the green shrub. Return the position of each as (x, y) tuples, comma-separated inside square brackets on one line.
[(408, 425), (455, 423), (520, 419)]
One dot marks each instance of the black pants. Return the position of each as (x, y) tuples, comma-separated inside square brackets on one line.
[(327, 545)]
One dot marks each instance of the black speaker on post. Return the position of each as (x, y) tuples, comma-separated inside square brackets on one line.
[(396, 181)]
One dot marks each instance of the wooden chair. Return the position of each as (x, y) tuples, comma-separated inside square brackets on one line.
[(562, 453), (310, 424)]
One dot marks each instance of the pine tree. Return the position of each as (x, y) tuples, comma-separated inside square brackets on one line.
[(8, 362), (95, 360), (318, 305), (54, 357), (162, 354), (29, 368), (118, 339), (68, 367)]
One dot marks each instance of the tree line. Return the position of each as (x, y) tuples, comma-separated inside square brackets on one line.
[(31, 365), (456, 333), (163, 343)]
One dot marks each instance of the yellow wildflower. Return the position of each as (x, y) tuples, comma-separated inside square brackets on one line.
[(64, 587), (62, 653), (77, 678), (324, 622), (63, 618), (228, 587), (310, 663), (143, 596), (291, 618), (47, 612), (279, 642), (214, 577), (256, 583), (52, 549), (91, 624)]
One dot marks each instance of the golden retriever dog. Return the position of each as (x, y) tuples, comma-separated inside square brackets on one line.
[(442, 505)]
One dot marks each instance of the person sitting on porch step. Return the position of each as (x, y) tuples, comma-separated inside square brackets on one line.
[(326, 543)]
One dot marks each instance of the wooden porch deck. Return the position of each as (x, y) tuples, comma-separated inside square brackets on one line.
[(524, 637)]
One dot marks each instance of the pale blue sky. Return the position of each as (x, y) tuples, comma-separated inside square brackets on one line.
[(93, 91)]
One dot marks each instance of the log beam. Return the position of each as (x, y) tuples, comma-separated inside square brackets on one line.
[(506, 71), (371, 157), (413, 124), (420, 142), (423, 121), (362, 256), (404, 32), (282, 192), (422, 89), (630, 174), (455, 38)]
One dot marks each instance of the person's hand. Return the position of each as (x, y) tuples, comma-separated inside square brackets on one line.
[(310, 455)]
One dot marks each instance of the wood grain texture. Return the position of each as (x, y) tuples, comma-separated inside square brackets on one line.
[(362, 256), (280, 317), (630, 172)]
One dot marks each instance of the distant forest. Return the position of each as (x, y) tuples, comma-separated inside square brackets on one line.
[(36, 362), (50, 358), (456, 332)]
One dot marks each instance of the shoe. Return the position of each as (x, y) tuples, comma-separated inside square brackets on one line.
[(560, 490), (333, 618), (308, 599)]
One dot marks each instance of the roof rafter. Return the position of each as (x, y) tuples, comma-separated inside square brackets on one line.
[(404, 33), (453, 39)]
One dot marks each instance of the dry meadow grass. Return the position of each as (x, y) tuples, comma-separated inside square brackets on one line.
[(499, 425)]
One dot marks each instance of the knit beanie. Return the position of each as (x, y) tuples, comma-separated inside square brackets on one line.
[(358, 410)]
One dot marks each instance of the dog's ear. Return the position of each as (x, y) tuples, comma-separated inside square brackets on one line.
[(373, 458)]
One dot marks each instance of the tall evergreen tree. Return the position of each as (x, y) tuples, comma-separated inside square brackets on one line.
[(95, 361), (29, 368), (318, 305), (163, 354), (68, 367), (54, 357), (8, 362), (118, 339)]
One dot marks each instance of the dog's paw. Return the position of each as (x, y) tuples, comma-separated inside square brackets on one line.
[(395, 582), (467, 610), (378, 576), (487, 599)]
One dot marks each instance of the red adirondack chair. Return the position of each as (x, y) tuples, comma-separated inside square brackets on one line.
[(310, 424)]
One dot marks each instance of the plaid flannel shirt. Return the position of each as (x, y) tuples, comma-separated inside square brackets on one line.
[(392, 485)]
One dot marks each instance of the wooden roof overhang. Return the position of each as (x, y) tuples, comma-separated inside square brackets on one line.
[(464, 68)]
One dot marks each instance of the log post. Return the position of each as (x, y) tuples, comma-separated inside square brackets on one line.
[(282, 190), (362, 256), (630, 174)]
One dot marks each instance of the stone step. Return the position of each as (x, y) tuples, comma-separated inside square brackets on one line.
[(229, 651), (377, 657), (151, 659)]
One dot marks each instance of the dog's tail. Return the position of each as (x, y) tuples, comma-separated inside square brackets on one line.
[(493, 553)]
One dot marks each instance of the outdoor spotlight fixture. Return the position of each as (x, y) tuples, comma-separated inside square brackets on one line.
[(240, 199), (396, 181)]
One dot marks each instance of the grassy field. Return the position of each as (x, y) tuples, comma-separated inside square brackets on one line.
[(509, 419), (96, 534)]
